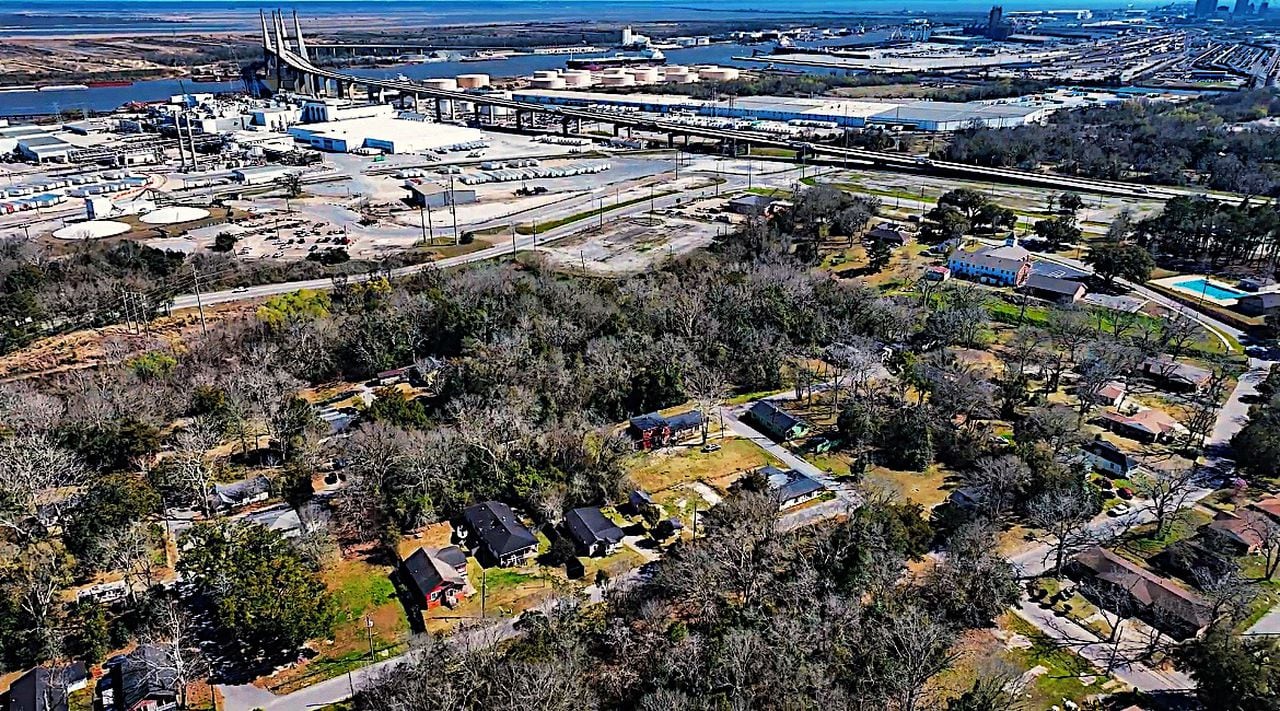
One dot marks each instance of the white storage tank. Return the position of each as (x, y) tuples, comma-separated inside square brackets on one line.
[(441, 84), (717, 74), (675, 70), (551, 83), (473, 81), (619, 79), (645, 75), (545, 74), (577, 78)]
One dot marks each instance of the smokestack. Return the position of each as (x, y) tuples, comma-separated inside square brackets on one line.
[(182, 150), (191, 139)]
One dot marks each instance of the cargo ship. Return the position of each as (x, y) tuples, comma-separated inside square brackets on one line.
[(108, 82), (648, 56), (63, 87)]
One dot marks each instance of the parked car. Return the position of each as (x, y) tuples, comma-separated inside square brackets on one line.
[(1125, 493), (1120, 509)]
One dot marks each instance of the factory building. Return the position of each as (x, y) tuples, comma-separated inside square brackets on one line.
[(427, 194), (262, 175), (385, 134)]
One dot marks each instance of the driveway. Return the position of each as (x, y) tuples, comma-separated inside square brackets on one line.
[(1068, 633)]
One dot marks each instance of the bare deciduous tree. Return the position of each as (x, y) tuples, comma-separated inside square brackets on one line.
[(1063, 515), (176, 657), (191, 469), (708, 387), (39, 481), (1166, 490)]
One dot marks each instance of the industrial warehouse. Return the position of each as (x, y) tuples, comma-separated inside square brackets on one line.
[(918, 115)]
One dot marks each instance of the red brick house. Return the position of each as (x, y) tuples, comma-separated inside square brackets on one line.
[(436, 578)]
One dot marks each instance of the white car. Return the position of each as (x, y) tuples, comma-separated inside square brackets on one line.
[(1120, 510)]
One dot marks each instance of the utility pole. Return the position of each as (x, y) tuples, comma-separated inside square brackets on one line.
[(124, 297), (368, 626), (423, 221), (453, 209), (204, 330), (484, 589)]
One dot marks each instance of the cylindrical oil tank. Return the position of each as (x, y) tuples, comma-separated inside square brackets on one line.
[(718, 73), (473, 81), (645, 75)]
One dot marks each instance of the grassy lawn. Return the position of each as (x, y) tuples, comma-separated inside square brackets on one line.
[(1065, 668), (622, 561), (925, 488), (542, 227), (360, 590), (1141, 546), (745, 398), (658, 471), (771, 152)]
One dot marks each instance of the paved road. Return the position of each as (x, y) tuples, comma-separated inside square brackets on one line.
[(1066, 632), (1037, 559), (1235, 411), (247, 697)]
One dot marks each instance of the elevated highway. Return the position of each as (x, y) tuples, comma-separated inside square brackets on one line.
[(293, 66)]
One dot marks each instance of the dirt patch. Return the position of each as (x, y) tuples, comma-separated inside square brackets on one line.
[(630, 245), (90, 348)]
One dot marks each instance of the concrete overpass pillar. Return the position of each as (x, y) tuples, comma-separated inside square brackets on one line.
[(439, 109), (519, 120), (564, 125), (671, 140)]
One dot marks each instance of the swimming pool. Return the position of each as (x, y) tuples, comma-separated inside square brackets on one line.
[(1210, 290)]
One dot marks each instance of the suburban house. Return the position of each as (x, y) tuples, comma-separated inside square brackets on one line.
[(226, 497), (1108, 458), (1116, 583), (639, 500), (1241, 532), (143, 680), (965, 497), (888, 233), (592, 532), (655, 430), (436, 577), (777, 422), (937, 273), (1059, 291), (1110, 395), (281, 518), (1269, 506), (1149, 425), (45, 688), (492, 529), (791, 487), (1258, 304), (1006, 265), (1173, 375)]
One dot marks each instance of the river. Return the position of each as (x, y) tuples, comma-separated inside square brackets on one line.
[(25, 103)]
